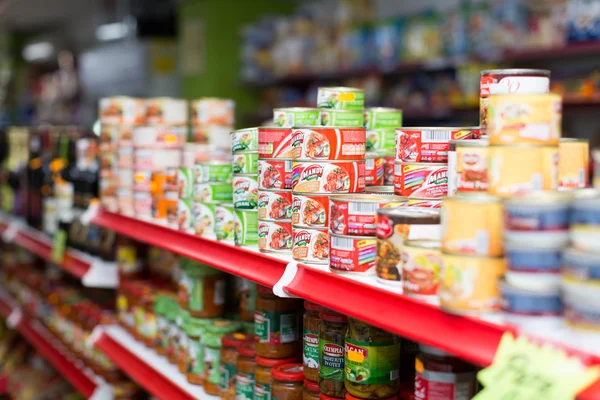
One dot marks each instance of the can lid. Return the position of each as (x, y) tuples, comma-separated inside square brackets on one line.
[(295, 109), (273, 362), (411, 215), (468, 143), (246, 129), (516, 71), (332, 316), (572, 140), (288, 372), (247, 350), (310, 385), (340, 111)]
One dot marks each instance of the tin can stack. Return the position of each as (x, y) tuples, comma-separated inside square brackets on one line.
[(212, 120), (468, 166), (381, 123)]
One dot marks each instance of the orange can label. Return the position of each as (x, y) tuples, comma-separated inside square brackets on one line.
[(573, 164), (471, 169)]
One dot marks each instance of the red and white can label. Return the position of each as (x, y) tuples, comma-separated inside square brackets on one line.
[(274, 205), (275, 174), (328, 143), (311, 211), (274, 236), (275, 142), (352, 254), (423, 181), (430, 145), (328, 177), (374, 171), (311, 245)]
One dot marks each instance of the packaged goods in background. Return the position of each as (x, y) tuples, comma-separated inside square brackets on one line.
[(381, 140), (274, 204), (382, 118), (310, 210), (524, 119), (166, 110), (394, 226), (310, 245), (224, 221), (122, 110), (573, 163), (357, 214), (125, 178), (295, 117), (244, 140), (125, 157), (421, 180), (245, 192), (204, 219), (581, 310), (374, 170), (537, 307), (213, 111), (274, 236), (275, 174), (324, 143), (585, 220), (159, 136), (274, 142), (245, 163), (216, 192), (212, 171), (332, 117), (156, 159), (342, 98), (429, 144), (522, 169), (328, 177), (352, 253), (142, 205), (509, 81), (533, 267), (468, 166), (421, 264), (185, 182), (185, 215), (125, 201), (163, 207), (245, 227)]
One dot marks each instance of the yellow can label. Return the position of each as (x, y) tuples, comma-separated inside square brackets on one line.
[(573, 164)]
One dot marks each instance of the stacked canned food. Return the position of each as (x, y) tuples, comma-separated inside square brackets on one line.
[(381, 140), (573, 163), (212, 120), (468, 166)]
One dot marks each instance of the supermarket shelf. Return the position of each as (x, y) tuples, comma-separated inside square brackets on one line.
[(553, 53), (143, 365)]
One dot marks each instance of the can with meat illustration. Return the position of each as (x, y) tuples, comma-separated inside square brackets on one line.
[(274, 205), (328, 177), (522, 169), (274, 236), (356, 215), (245, 227), (212, 171), (509, 81), (394, 225), (388, 169), (415, 144), (374, 171), (425, 203), (472, 224), (382, 117), (421, 180), (310, 210), (245, 192), (295, 116), (245, 162), (325, 143), (244, 140), (212, 192), (310, 246), (159, 136), (332, 117), (524, 119), (573, 163), (166, 110), (122, 110), (382, 139), (204, 219), (352, 253), (421, 265), (341, 98), (224, 221), (468, 166), (275, 174), (274, 142)]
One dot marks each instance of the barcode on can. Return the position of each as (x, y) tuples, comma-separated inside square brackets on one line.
[(341, 243), (436, 136), (362, 208)]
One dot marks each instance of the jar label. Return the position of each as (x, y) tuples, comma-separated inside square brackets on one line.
[(275, 327), (228, 372), (433, 385), (195, 358), (262, 391), (244, 386), (310, 353), (212, 359), (331, 360), (196, 294), (368, 363)]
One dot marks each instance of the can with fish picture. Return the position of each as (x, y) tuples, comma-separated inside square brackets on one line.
[(382, 117), (245, 162), (328, 177), (357, 214), (421, 180), (325, 143), (310, 210), (310, 246), (274, 142), (332, 117), (295, 116), (352, 253), (275, 174), (274, 236), (341, 98), (244, 140), (429, 144), (274, 204)]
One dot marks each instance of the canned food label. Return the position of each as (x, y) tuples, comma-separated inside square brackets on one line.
[(274, 205), (185, 216), (367, 363), (427, 145), (374, 171), (212, 173), (224, 222), (310, 211), (328, 143), (185, 183), (245, 163), (421, 271), (425, 203), (245, 227), (212, 192), (431, 384), (310, 350), (353, 255), (424, 181), (331, 360), (262, 391), (311, 245), (275, 327), (245, 192), (353, 217), (244, 140), (573, 164), (345, 118), (244, 386), (212, 360), (275, 143), (388, 171), (204, 218), (332, 177), (381, 139), (471, 169), (341, 100), (452, 173), (228, 374), (275, 236), (275, 174), (375, 119), (289, 118)]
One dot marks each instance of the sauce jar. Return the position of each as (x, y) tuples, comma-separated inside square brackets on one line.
[(181, 350), (332, 332), (229, 354), (439, 372), (288, 382), (205, 289), (213, 335), (276, 325), (263, 378), (310, 338), (194, 358), (311, 390), (246, 368)]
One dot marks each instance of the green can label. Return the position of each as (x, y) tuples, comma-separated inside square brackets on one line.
[(204, 219), (212, 192), (293, 117), (244, 386), (275, 328), (245, 192), (185, 215), (341, 118), (245, 227), (228, 373), (212, 359), (381, 140), (310, 352), (195, 358), (262, 391), (372, 363), (341, 98), (217, 172), (331, 360), (383, 118), (244, 140), (224, 221), (245, 163), (185, 183)]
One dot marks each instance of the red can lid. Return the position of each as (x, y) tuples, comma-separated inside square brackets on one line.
[(235, 340), (273, 362), (332, 316), (350, 397), (247, 350), (312, 306), (310, 385), (288, 372), (323, 396)]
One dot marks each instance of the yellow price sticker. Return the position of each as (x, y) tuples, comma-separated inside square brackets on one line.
[(347, 96), (524, 370)]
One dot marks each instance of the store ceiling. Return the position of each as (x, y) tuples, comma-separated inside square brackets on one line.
[(35, 15)]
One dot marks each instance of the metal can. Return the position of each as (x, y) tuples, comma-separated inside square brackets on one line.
[(166, 110), (352, 253), (386, 190), (524, 119), (122, 110), (328, 177), (325, 143), (469, 284), (275, 174), (224, 221), (244, 140), (382, 117), (185, 215), (274, 236), (274, 204), (374, 174), (245, 162), (356, 215), (509, 81), (245, 192), (185, 183), (274, 142), (522, 169), (472, 224), (245, 227), (295, 116), (172, 213), (382, 139), (204, 219), (596, 172), (125, 201), (213, 192), (581, 305), (213, 111), (310, 246), (468, 170), (421, 180), (388, 170), (518, 304), (394, 225), (425, 203), (156, 159), (341, 98), (537, 267), (331, 117), (573, 163), (159, 136), (125, 178), (430, 144), (310, 210), (421, 264), (213, 171)]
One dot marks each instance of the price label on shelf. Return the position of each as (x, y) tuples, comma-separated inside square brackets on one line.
[(58, 246), (524, 370)]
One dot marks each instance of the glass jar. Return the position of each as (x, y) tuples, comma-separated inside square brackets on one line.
[(171, 313), (276, 325), (288, 380), (148, 328), (332, 332), (248, 293), (371, 362), (194, 359), (437, 370), (246, 368), (161, 304), (229, 355), (212, 353), (311, 390), (181, 351), (310, 338), (263, 378), (205, 289)]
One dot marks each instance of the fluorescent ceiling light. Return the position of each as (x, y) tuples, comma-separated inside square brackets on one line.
[(114, 31), (38, 51)]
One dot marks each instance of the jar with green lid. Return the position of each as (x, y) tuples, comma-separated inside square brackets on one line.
[(332, 332), (372, 361), (212, 357), (205, 289), (182, 348), (194, 359)]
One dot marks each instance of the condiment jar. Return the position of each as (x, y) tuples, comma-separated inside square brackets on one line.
[(436, 369), (263, 378), (194, 358), (288, 382), (248, 294), (182, 347), (212, 348), (171, 313), (205, 289), (332, 332), (246, 368), (276, 325), (229, 355), (310, 338), (311, 390)]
